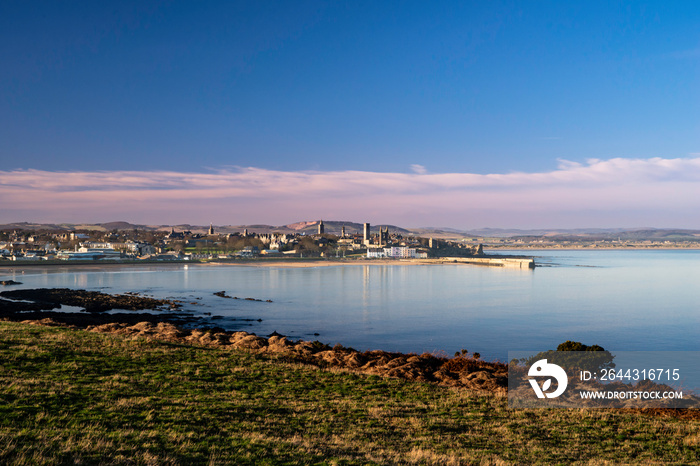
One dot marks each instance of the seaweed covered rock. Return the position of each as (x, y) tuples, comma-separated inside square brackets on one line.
[(91, 301)]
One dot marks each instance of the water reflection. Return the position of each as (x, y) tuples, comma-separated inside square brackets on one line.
[(625, 302)]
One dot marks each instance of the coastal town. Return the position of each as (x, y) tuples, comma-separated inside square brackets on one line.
[(186, 245), (314, 239)]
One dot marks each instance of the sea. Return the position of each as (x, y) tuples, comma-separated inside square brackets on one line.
[(622, 300)]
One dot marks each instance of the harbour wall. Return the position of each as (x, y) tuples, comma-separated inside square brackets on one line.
[(511, 262)]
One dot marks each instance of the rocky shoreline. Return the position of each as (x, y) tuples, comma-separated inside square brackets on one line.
[(90, 301), (37, 306), (45, 303), (458, 372)]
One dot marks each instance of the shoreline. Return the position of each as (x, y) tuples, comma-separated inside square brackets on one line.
[(483, 378), (36, 307), (88, 397), (295, 262), (320, 262)]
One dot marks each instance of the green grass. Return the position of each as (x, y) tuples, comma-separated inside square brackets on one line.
[(71, 397)]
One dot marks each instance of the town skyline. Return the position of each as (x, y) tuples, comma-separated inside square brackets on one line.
[(121, 241), (350, 227)]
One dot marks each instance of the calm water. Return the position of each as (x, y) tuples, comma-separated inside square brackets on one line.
[(621, 300)]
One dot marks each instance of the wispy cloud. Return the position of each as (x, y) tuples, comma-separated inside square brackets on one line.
[(615, 192), (420, 169)]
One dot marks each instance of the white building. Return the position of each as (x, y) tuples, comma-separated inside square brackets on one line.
[(400, 252), (376, 253), (396, 252), (89, 254)]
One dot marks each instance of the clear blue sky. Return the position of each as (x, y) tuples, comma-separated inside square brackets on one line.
[(456, 87)]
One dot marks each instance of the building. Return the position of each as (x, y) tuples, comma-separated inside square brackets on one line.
[(366, 236), (321, 228), (400, 252), (396, 252), (383, 236), (89, 254), (143, 249), (248, 251), (174, 236)]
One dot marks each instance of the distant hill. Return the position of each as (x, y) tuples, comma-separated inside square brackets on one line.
[(33, 226), (123, 226), (509, 233), (335, 227), (621, 234)]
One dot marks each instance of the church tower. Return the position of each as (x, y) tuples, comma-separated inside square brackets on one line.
[(321, 228)]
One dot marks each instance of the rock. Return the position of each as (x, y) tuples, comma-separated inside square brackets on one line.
[(251, 342), (278, 344), (396, 362), (237, 336), (354, 360), (92, 301), (329, 357), (211, 339)]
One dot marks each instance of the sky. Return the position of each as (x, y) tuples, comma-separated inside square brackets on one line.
[(446, 114)]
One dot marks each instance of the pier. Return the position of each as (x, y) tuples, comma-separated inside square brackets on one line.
[(510, 262)]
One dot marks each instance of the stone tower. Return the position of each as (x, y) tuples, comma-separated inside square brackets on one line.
[(384, 236), (321, 228)]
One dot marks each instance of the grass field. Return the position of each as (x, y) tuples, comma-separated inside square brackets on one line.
[(70, 397)]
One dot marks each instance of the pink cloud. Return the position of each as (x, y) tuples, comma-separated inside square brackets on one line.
[(642, 191)]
